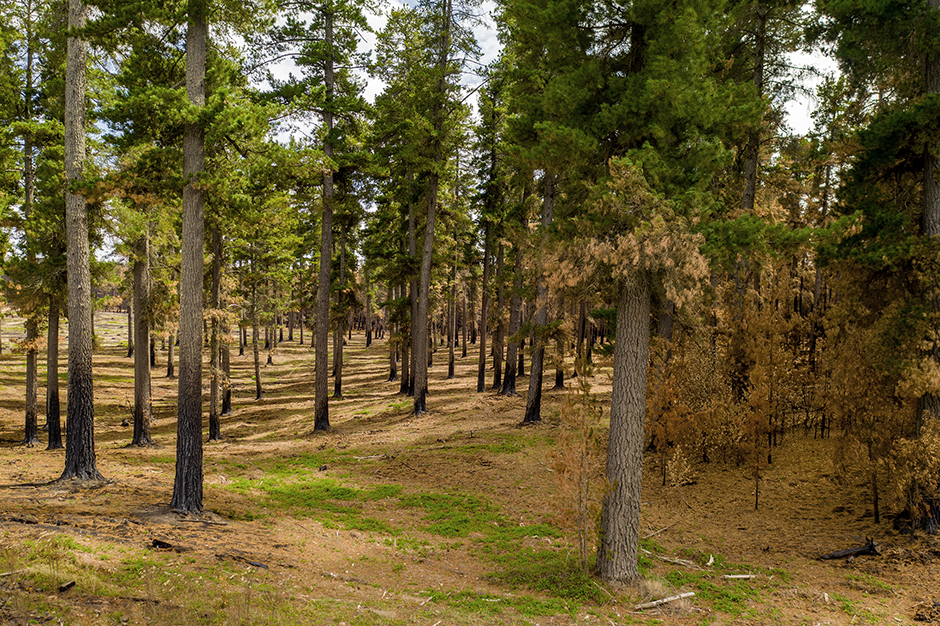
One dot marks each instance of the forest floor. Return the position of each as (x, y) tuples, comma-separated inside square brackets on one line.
[(448, 518)]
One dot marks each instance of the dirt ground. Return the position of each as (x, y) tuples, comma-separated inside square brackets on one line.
[(447, 518)]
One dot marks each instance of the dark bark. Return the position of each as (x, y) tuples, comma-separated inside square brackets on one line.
[(130, 330), (226, 372), (340, 330), (215, 426), (52, 376), (142, 392), (931, 213), (752, 149), (484, 307), (321, 409), (498, 336), (533, 407), (31, 436), (463, 321), (452, 324), (170, 362), (515, 324), (420, 325), (187, 486), (620, 515), (80, 460), (256, 341)]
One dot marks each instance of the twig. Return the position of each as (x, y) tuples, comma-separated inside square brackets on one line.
[(739, 576), (653, 534), (16, 571), (604, 590), (655, 603)]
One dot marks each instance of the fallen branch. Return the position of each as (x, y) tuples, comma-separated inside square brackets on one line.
[(655, 603), (739, 576), (16, 571), (667, 559), (868, 549)]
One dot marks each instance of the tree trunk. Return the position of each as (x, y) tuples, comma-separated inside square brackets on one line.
[(533, 406), (187, 487), (484, 307), (463, 321), (420, 344), (620, 515), (340, 330), (142, 393), (452, 324), (931, 215), (130, 330), (31, 436), (170, 361), (752, 149), (215, 426), (256, 341), (321, 409), (500, 328), (515, 324), (52, 375), (368, 319), (80, 412), (226, 370)]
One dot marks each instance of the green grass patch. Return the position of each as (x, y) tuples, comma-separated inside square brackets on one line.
[(503, 447), (549, 571), (867, 582), (287, 487)]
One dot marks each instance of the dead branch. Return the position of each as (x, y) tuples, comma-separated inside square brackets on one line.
[(655, 603)]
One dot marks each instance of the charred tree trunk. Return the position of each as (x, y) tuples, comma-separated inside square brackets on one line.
[(53, 417), (80, 460)]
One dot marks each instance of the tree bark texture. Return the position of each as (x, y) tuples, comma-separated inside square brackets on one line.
[(321, 408), (931, 214), (484, 306), (420, 325), (31, 436), (256, 341), (498, 336), (52, 375), (142, 393), (533, 405), (215, 426), (620, 515), (515, 324), (752, 149), (340, 330), (187, 487), (80, 460)]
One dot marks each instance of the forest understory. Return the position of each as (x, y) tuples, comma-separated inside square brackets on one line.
[(453, 517)]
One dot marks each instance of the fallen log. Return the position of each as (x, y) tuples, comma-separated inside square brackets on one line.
[(868, 549)]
